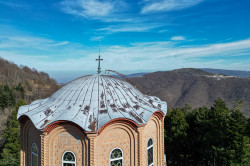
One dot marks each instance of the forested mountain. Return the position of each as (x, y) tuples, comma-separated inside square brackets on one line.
[(21, 82), (195, 87), (35, 84)]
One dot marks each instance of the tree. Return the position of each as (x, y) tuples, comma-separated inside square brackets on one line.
[(248, 127), (235, 136), (7, 98), (175, 136), (200, 149), (11, 151), (218, 124), (19, 88), (202, 136)]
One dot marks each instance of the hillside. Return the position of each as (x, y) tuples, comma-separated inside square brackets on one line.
[(36, 84), (195, 87), (21, 82)]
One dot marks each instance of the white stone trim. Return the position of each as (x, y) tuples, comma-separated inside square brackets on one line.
[(69, 162), (120, 158)]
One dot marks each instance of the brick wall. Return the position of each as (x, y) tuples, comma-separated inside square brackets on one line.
[(30, 135), (117, 135), (67, 137)]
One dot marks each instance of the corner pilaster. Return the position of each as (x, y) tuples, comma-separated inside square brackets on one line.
[(92, 137), (43, 149), (140, 134), (162, 141)]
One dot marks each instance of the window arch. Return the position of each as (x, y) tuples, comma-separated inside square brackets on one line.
[(68, 159), (150, 152), (34, 155), (116, 157)]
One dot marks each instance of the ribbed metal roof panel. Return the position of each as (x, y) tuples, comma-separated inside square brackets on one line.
[(98, 98)]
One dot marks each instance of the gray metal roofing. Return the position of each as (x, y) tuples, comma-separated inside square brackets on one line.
[(98, 98)]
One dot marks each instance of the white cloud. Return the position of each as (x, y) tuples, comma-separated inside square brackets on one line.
[(163, 31), (96, 38), (108, 11), (59, 43), (49, 55), (176, 38), (152, 6), (13, 4), (95, 9), (31, 42), (130, 28)]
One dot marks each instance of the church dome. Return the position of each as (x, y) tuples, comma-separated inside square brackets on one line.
[(93, 100)]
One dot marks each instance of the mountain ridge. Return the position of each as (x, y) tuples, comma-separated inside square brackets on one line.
[(238, 73), (195, 87)]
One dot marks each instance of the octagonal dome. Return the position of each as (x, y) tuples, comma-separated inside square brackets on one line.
[(93, 98)]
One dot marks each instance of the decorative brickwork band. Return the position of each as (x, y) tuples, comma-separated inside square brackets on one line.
[(54, 125), (129, 122), (159, 114)]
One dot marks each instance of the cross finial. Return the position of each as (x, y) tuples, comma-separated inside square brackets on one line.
[(99, 64)]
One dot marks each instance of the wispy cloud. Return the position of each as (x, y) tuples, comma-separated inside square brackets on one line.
[(13, 4), (22, 41), (12, 38), (96, 38), (177, 38), (152, 6), (162, 55), (118, 16), (94, 9), (55, 43), (50, 55), (140, 27), (87, 7)]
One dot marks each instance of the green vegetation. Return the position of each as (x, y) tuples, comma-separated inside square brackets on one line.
[(19, 88), (202, 136), (11, 151), (7, 98)]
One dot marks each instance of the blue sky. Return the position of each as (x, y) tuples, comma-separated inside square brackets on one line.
[(62, 37)]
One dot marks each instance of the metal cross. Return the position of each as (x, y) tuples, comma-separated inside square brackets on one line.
[(99, 64)]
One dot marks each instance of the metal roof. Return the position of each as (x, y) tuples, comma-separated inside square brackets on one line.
[(93, 98)]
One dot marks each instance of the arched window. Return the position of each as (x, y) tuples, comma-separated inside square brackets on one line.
[(68, 159), (116, 157), (150, 151), (34, 155)]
